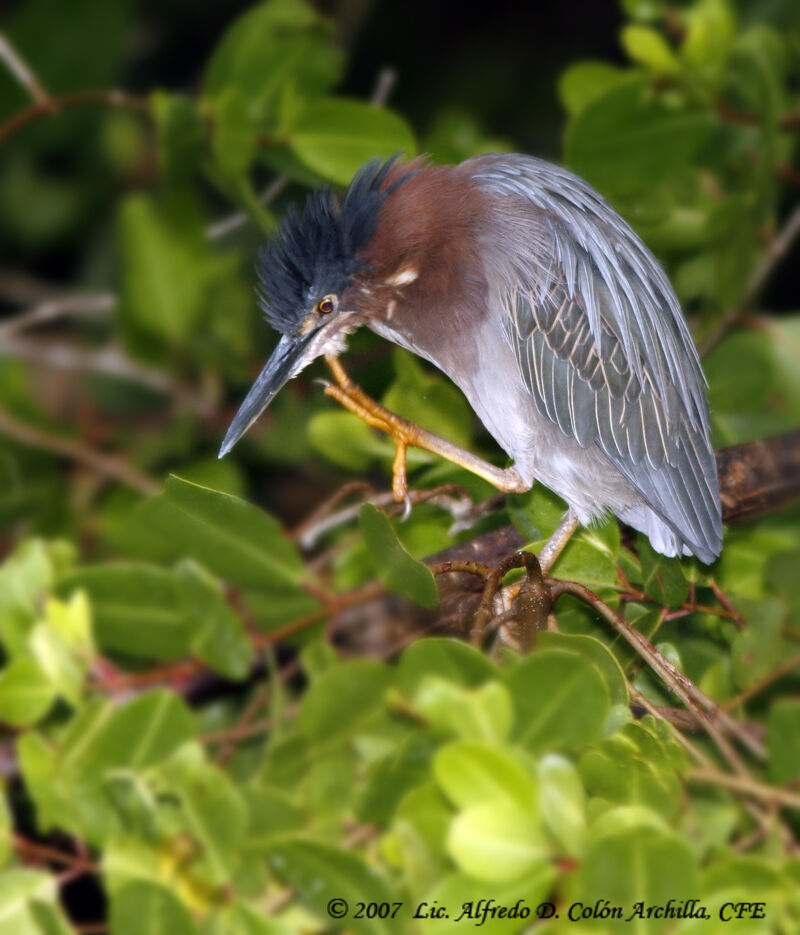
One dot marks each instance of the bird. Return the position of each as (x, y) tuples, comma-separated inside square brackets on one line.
[(521, 283)]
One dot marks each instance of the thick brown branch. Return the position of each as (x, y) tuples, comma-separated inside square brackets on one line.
[(759, 477)]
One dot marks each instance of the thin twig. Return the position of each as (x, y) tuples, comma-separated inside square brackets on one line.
[(705, 709), (22, 71), (692, 749), (793, 662), (54, 105), (322, 521), (107, 465), (109, 361), (45, 313), (775, 252), (225, 225), (44, 852), (759, 790), (387, 78)]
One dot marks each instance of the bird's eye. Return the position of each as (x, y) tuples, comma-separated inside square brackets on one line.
[(325, 306)]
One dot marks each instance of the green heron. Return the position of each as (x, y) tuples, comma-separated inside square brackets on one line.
[(531, 293)]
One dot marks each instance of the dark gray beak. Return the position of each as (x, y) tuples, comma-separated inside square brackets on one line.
[(289, 357)]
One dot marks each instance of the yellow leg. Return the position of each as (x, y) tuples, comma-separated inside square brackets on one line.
[(405, 433)]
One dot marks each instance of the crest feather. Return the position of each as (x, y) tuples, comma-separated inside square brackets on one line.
[(314, 253)]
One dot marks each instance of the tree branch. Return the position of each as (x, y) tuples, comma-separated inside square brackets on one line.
[(54, 105), (107, 465)]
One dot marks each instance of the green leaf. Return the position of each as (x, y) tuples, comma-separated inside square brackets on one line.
[(229, 536), (276, 47), (783, 740), (271, 815), (145, 908), (6, 829), (135, 735), (343, 698), (219, 637), (181, 138), (164, 266), (137, 609), (636, 865), (470, 773), (483, 713), (336, 137), (649, 48), (346, 441), (24, 579), (428, 400), (448, 658), (628, 139), (584, 82), (212, 811), (563, 803), (392, 777), (20, 889), (26, 693), (64, 668), (461, 892), (589, 561), (662, 578), (234, 139), (396, 569), (618, 773), (496, 842), (321, 873), (561, 700), (759, 647), (710, 32), (597, 653)]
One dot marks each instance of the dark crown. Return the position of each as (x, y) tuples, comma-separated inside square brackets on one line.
[(314, 253)]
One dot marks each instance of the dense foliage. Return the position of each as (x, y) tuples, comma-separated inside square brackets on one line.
[(206, 731)]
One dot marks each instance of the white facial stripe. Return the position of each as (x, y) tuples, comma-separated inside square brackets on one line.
[(403, 277)]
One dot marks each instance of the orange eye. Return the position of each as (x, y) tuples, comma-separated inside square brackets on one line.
[(325, 306)]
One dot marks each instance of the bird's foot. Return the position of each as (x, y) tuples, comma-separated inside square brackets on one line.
[(405, 433)]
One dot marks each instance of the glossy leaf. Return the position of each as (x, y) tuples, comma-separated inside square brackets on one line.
[(633, 865), (26, 692), (275, 45), (471, 773), (137, 609), (144, 908), (336, 137), (343, 698), (162, 292), (218, 636), (563, 803), (396, 569), (629, 139), (561, 701), (649, 48), (230, 537), (447, 658), (496, 841), (784, 741), (321, 873), (597, 653), (662, 578)]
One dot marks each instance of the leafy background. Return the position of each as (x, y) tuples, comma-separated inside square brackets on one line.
[(213, 723)]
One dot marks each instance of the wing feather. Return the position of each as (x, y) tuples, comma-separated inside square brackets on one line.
[(602, 344)]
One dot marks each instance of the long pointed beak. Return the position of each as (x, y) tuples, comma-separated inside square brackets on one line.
[(288, 359)]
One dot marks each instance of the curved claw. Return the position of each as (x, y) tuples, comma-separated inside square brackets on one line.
[(407, 505)]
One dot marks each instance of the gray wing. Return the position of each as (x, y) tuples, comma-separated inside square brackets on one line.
[(603, 346)]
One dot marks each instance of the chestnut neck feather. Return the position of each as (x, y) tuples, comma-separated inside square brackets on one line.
[(429, 225)]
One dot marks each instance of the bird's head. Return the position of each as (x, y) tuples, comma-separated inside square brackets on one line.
[(303, 279)]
